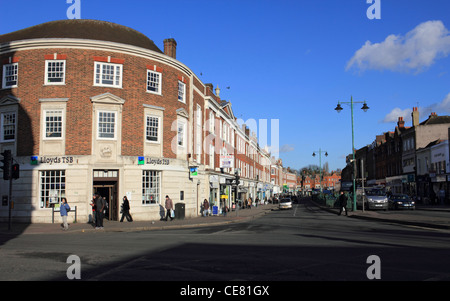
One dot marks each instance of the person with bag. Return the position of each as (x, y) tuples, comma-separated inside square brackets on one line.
[(343, 203), (169, 208), (63, 210), (93, 211), (225, 209), (126, 210), (205, 208)]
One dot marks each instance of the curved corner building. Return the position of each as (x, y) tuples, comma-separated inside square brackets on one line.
[(90, 106)]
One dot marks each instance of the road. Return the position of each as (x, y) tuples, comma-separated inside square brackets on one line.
[(302, 244)]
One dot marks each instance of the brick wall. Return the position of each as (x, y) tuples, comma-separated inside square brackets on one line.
[(79, 88)]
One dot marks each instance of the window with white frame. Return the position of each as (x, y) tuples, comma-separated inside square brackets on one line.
[(181, 133), (232, 137), (107, 74), (55, 72), (106, 125), (154, 82), (211, 122), (10, 75), (152, 129), (151, 187), (52, 187), (225, 132), (211, 156), (8, 126), (53, 123), (198, 139), (181, 91)]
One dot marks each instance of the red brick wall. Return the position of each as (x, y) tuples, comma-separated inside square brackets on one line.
[(79, 88)]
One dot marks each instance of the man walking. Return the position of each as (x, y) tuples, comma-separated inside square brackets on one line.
[(343, 203), (169, 207)]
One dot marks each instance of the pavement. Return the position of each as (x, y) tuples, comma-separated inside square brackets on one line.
[(125, 226), (442, 221)]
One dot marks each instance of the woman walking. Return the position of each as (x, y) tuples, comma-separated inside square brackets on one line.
[(126, 210)]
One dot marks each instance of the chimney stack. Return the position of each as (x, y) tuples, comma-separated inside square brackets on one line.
[(170, 48), (401, 123), (415, 116)]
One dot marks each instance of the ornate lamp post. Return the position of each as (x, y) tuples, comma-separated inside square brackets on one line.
[(339, 109), (320, 164)]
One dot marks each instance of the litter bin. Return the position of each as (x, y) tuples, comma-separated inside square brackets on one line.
[(179, 210)]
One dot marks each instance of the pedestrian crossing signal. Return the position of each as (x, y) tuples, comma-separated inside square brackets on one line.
[(15, 174)]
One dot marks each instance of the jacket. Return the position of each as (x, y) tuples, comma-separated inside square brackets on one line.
[(169, 203), (63, 209), (126, 205), (343, 200)]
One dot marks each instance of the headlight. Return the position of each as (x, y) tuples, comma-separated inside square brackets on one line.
[(400, 203)]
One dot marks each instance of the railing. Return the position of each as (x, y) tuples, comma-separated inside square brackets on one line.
[(331, 200), (57, 210)]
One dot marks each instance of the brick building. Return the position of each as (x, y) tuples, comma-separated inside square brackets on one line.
[(91, 106)]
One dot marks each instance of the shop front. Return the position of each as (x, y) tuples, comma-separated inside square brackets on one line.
[(394, 184), (45, 180)]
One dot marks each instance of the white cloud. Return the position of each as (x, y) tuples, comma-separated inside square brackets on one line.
[(395, 113), (441, 108), (444, 106), (418, 49)]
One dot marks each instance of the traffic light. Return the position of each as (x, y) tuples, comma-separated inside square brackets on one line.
[(15, 174), (237, 179), (6, 164)]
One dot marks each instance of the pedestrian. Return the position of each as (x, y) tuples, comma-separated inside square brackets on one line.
[(63, 209), (169, 208), (126, 210), (205, 207), (93, 211), (343, 203), (225, 209), (100, 206)]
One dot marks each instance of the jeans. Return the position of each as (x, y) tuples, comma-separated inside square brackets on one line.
[(126, 213), (168, 214), (64, 220), (98, 219)]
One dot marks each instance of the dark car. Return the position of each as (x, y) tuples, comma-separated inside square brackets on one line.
[(401, 201)]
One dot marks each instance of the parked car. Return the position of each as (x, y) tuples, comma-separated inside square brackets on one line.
[(376, 198), (401, 201), (285, 203)]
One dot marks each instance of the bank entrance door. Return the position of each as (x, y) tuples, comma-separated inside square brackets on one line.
[(105, 184)]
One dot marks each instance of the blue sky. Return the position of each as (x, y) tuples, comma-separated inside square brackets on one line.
[(294, 60)]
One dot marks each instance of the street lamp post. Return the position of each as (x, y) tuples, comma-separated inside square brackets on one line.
[(320, 164), (339, 109)]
